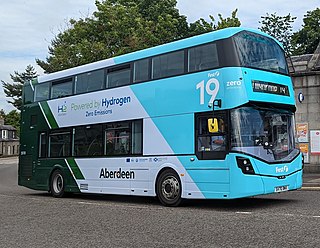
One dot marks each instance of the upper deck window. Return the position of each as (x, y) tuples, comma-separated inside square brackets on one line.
[(141, 70), (41, 92), (61, 88), (257, 51), (28, 96), (203, 57), (89, 81), (168, 65), (118, 76)]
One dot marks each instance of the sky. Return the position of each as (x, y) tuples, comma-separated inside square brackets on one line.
[(28, 26)]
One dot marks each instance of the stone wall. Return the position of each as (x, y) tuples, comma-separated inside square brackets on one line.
[(306, 80), (9, 148), (308, 111)]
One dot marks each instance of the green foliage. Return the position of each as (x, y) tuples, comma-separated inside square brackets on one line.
[(123, 26), (117, 27), (13, 119), (202, 26), (2, 114), (280, 27), (14, 89), (307, 39)]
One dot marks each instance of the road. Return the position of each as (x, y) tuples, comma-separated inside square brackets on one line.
[(35, 219)]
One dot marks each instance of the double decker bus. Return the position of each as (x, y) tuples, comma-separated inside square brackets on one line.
[(207, 117)]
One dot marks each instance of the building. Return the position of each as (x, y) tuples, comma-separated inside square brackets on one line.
[(9, 141), (306, 80)]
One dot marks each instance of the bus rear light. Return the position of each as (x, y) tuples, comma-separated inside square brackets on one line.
[(245, 165)]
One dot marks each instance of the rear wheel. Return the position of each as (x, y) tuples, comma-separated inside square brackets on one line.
[(57, 184), (169, 188)]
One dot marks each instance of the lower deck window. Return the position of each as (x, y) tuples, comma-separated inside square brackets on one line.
[(42, 145), (111, 139), (88, 141), (60, 144), (123, 138)]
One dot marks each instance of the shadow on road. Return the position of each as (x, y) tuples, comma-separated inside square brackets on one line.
[(243, 204)]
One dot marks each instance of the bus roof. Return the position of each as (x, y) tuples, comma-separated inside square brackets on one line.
[(148, 52)]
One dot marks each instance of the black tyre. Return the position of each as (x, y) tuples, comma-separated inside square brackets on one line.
[(169, 188), (57, 184)]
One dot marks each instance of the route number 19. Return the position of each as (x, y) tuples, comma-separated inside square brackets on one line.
[(211, 88)]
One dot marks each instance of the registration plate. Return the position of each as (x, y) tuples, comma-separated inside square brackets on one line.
[(281, 188)]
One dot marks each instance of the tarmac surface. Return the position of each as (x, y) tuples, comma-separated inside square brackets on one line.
[(311, 181)]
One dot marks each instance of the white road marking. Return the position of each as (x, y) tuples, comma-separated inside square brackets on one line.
[(126, 206)]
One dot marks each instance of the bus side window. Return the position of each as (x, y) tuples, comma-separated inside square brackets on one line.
[(41, 92), (136, 142), (141, 70), (118, 138), (60, 144), (27, 93), (89, 81), (203, 57), (118, 76), (123, 138), (62, 88), (88, 141), (33, 121), (167, 65), (42, 145), (208, 141)]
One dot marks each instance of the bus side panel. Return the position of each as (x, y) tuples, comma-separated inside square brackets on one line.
[(207, 178), (45, 168), (243, 185), (30, 124), (42, 170), (212, 183)]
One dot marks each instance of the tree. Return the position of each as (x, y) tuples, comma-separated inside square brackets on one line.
[(306, 40), (280, 27), (117, 27), (123, 26), (202, 26), (13, 119), (14, 89), (2, 114)]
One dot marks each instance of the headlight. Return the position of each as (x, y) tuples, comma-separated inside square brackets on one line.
[(245, 165)]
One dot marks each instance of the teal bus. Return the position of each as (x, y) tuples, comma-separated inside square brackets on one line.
[(207, 117)]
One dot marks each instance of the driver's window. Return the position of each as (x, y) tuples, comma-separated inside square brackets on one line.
[(207, 141)]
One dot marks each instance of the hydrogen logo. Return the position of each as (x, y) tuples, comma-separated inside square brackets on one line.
[(62, 108), (283, 169)]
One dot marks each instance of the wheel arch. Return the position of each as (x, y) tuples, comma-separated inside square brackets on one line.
[(54, 168), (164, 168)]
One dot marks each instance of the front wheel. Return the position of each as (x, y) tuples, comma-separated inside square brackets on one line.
[(57, 184), (169, 188)]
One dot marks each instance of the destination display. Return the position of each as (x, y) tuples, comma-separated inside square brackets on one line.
[(270, 88)]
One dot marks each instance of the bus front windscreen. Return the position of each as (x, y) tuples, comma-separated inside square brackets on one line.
[(267, 134), (260, 52)]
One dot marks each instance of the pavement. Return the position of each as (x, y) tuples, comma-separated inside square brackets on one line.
[(311, 181)]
